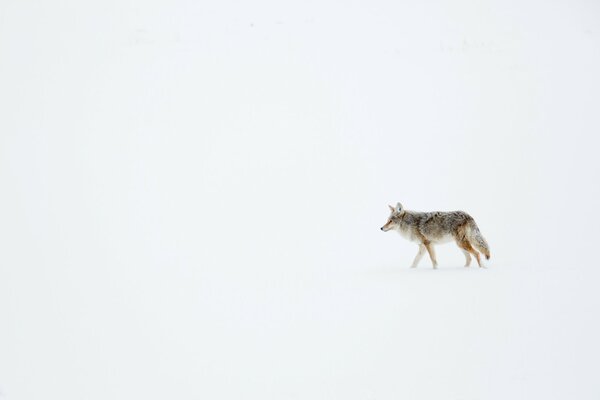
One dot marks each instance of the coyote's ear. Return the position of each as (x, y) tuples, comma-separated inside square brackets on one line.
[(391, 208), (398, 207)]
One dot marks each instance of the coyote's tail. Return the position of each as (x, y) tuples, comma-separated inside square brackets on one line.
[(477, 240)]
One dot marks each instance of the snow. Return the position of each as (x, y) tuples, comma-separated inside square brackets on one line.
[(192, 194)]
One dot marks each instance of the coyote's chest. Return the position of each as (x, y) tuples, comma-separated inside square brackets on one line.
[(407, 232)]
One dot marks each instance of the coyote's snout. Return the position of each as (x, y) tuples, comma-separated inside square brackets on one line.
[(429, 228)]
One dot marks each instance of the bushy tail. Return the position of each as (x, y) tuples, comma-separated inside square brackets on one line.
[(477, 240)]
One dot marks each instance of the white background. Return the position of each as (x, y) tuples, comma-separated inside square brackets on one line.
[(191, 196)]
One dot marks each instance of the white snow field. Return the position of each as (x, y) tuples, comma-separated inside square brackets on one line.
[(192, 191)]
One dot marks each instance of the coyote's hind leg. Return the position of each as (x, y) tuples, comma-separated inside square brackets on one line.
[(467, 258), (465, 245)]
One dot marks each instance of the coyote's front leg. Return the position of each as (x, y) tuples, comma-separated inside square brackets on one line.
[(431, 252), (418, 256)]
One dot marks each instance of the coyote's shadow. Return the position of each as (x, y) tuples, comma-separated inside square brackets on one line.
[(399, 270)]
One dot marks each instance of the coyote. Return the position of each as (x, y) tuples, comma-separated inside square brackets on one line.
[(429, 228)]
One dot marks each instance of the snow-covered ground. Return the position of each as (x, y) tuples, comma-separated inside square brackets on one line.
[(377, 331), (191, 196)]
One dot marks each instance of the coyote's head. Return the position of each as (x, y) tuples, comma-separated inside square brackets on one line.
[(393, 219)]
